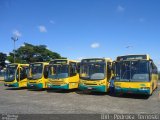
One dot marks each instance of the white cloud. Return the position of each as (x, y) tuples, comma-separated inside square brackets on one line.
[(80, 58), (7, 53), (42, 28), (16, 33), (52, 22), (120, 8), (23, 45), (95, 45), (158, 65), (48, 48)]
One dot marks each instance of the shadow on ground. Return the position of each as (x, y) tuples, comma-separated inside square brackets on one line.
[(132, 96), (91, 93), (38, 90), (12, 88), (61, 91)]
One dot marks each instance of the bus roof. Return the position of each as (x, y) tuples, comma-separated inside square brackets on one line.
[(106, 59), (134, 57), (19, 64), (45, 63), (61, 61)]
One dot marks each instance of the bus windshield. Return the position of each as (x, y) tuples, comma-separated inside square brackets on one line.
[(58, 71), (10, 73), (35, 71), (135, 71), (92, 71)]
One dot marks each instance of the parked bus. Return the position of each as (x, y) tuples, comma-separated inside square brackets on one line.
[(38, 75), (135, 74), (16, 75), (63, 74), (95, 74)]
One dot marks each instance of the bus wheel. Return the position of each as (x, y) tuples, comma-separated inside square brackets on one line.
[(118, 94)]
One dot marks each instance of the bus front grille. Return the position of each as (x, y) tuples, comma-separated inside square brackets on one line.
[(90, 83)]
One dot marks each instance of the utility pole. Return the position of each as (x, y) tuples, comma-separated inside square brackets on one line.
[(14, 40)]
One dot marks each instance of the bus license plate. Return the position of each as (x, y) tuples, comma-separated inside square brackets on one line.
[(89, 88)]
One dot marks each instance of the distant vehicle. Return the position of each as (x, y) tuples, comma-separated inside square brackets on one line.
[(95, 74), (38, 75), (63, 74), (135, 74), (16, 75)]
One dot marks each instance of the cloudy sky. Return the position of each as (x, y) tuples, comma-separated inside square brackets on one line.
[(83, 28)]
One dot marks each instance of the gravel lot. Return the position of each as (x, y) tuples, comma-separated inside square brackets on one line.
[(23, 101)]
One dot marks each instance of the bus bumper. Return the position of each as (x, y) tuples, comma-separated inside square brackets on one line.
[(35, 86), (65, 86), (100, 88), (132, 90), (11, 84)]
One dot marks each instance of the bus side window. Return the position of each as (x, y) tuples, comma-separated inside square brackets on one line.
[(73, 69), (27, 70), (78, 67), (109, 70), (46, 67), (17, 75), (154, 68)]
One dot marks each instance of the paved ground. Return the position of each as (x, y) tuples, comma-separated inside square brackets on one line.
[(23, 101)]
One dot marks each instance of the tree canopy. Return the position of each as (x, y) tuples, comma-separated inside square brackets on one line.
[(33, 53), (3, 57)]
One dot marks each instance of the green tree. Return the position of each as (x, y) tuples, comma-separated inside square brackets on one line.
[(3, 57), (33, 53)]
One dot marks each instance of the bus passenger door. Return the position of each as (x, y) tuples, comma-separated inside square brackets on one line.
[(23, 77), (18, 74), (45, 73), (74, 77)]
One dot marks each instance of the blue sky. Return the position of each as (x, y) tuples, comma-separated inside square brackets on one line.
[(83, 28)]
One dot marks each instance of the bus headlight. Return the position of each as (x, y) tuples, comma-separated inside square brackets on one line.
[(81, 82), (117, 87), (48, 84), (102, 82)]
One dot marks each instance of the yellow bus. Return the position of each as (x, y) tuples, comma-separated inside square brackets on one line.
[(135, 74), (38, 75), (63, 74), (16, 75), (95, 74)]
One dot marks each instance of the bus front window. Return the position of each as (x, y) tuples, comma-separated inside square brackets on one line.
[(92, 71), (139, 71), (123, 71), (10, 73), (132, 71), (35, 71), (58, 71)]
